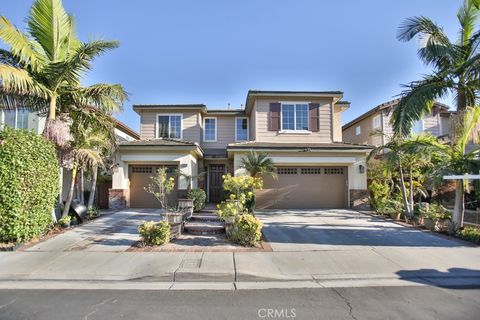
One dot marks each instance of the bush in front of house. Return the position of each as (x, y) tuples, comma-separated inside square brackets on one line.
[(247, 230), (155, 233), (29, 184), (470, 233), (199, 197)]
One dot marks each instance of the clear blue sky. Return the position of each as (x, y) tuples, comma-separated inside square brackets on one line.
[(214, 51)]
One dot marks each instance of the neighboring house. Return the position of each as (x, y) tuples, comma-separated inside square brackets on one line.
[(25, 119), (374, 127), (301, 131)]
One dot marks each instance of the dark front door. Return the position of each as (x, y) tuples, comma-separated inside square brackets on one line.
[(215, 181)]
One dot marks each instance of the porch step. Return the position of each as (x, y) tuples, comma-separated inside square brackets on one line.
[(206, 211), (204, 228), (205, 217)]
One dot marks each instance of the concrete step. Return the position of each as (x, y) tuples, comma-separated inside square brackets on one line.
[(205, 217), (206, 211), (204, 228)]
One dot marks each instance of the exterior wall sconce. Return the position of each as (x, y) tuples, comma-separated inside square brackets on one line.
[(361, 168)]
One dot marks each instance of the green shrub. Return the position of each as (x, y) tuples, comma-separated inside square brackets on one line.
[(29, 184), (155, 233), (436, 211), (65, 221), (228, 209), (93, 212), (199, 197), (247, 230), (470, 234), (380, 192)]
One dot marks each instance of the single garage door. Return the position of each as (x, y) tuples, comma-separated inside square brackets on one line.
[(304, 188), (140, 178)]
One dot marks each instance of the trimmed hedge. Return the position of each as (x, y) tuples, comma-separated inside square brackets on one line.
[(199, 197), (29, 184), (155, 233), (247, 230)]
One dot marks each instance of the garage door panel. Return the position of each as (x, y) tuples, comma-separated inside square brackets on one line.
[(304, 188), (140, 179)]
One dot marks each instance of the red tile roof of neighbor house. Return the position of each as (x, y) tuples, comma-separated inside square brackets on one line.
[(290, 146), (382, 106)]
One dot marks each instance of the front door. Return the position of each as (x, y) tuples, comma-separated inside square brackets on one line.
[(215, 181)]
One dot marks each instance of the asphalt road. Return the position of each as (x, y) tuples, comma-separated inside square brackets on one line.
[(340, 303)]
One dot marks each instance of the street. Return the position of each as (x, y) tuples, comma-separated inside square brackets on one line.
[(326, 303)]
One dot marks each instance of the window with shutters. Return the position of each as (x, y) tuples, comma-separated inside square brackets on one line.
[(294, 116)]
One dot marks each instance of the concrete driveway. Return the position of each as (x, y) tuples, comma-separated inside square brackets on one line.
[(312, 230)]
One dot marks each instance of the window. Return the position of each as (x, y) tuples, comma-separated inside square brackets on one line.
[(241, 129), (417, 127), (311, 171), (376, 122), (286, 170), (358, 130), (210, 130), (17, 118), (295, 116), (169, 126), (334, 171)]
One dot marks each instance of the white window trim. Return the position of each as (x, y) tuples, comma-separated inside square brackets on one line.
[(294, 117), (2, 119), (248, 128), (216, 128), (15, 120), (169, 124), (359, 132), (379, 122)]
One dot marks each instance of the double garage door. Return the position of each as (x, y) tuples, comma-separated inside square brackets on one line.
[(139, 176), (304, 188)]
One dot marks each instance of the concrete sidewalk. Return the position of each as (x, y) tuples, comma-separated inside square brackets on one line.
[(369, 263)]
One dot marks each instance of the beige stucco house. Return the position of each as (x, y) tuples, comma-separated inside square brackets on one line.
[(301, 132), (374, 127)]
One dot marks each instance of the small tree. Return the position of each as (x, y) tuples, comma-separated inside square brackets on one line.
[(161, 186), (258, 164)]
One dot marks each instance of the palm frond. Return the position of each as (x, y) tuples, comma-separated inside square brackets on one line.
[(424, 28), (20, 45), (467, 16), (103, 96), (417, 100), (18, 81), (49, 25)]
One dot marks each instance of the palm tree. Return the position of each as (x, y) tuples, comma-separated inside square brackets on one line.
[(455, 159), (43, 68), (455, 67), (87, 154), (258, 164)]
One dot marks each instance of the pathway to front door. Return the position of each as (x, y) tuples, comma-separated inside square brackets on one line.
[(215, 190)]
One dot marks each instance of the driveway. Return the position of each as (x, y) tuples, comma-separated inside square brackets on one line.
[(312, 230)]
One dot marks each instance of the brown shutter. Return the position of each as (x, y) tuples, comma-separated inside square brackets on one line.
[(314, 115), (274, 117)]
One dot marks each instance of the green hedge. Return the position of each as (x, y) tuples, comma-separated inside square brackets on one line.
[(199, 197), (29, 184)]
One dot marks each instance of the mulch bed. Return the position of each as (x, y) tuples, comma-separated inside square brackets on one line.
[(193, 243)]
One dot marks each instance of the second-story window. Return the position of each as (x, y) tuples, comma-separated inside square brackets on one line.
[(358, 130), (169, 126), (241, 129), (376, 122), (294, 116), (210, 130)]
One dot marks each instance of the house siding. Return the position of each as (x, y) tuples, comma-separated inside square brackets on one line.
[(190, 124), (365, 136), (262, 134), (225, 132)]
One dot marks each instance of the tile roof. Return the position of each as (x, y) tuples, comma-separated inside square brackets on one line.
[(159, 142), (282, 145)]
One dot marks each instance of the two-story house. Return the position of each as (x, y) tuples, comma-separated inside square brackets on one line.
[(301, 132), (374, 126)]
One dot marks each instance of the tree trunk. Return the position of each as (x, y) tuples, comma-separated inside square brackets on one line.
[(91, 198), (404, 192), (411, 192), (52, 108), (68, 201), (82, 187), (459, 208)]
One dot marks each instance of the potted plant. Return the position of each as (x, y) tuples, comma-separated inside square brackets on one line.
[(160, 188), (437, 218), (393, 209)]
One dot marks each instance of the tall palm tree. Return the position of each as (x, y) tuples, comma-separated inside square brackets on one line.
[(455, 66), (43, 68), (455, 159), (258, 163)]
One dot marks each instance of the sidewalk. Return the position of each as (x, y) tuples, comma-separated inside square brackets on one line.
[(374, 264)]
